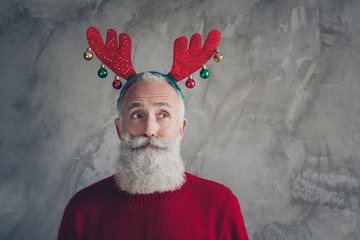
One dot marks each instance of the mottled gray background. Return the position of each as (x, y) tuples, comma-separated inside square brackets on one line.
[(278, 121)]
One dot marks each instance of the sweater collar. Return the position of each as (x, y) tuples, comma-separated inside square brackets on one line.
[(156, 197)]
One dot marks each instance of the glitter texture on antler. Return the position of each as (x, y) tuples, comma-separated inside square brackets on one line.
[(115, 56), (187, 61)]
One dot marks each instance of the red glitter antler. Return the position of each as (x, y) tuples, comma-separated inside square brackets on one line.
[(189, 61), (116, 57)]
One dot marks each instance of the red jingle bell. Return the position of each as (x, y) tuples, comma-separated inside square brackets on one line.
[(117, 83), (190, 83)]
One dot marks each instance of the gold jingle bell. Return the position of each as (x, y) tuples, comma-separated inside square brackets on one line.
[(88, 55), (218, 57)]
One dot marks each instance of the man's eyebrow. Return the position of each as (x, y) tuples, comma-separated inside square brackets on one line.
[(134, 105), (162, 104)]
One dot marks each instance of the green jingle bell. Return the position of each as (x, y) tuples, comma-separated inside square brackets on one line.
[(102, 73), (204, 73)]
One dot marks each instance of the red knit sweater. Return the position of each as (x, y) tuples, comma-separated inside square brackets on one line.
[(200, 209)]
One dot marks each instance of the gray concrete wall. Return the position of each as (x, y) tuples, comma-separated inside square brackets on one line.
[(278, 121)]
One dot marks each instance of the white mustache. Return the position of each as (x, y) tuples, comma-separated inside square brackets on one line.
[(139, 142)]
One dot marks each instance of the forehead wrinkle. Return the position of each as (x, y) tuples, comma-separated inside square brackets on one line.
[(153, 93), (136, 99), (139, 94), (156, 104)]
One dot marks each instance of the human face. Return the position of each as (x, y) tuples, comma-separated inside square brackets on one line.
[(151, 108)]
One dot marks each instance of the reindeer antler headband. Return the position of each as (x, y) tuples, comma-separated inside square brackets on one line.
[(117, 56)]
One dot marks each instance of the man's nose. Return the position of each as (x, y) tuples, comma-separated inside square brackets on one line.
[(151, 127)]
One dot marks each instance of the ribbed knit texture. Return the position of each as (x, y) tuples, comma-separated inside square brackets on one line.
[(200, 209)]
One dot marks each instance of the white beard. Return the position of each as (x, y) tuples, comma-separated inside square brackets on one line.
[(148, 165)]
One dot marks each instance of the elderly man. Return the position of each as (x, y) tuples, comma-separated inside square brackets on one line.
[(151, 196)]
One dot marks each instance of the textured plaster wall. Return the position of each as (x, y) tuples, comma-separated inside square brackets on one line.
[(278, 121)]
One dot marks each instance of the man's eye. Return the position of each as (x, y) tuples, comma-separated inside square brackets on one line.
[(164, 115), (136, 116)]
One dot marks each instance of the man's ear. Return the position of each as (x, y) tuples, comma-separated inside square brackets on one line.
[(182, 128), (118, 127)]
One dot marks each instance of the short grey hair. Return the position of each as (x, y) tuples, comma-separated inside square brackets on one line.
[(148, 77)]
